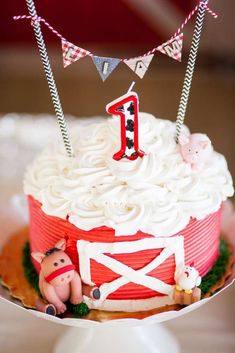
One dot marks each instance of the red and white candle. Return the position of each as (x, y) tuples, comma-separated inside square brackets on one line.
[(127, 107)]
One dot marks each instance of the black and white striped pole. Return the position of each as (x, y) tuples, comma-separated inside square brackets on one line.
[(50, 78), (190, 67)]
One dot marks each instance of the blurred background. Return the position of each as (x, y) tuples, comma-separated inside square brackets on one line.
[(123, 28)]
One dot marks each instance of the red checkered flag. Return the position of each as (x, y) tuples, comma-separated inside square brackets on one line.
[(72, 53), (173, 47)]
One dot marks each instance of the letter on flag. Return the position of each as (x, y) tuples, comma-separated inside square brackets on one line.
[(139, 65), (72, 53), (173, 47), (105, 65)]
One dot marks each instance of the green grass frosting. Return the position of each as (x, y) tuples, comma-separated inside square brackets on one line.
[(218, 270)]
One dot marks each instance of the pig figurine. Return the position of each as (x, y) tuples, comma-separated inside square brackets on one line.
[(195, 149), (187, 279), (58, 280)]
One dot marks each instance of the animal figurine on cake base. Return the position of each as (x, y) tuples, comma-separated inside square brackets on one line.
[(187, 280), (59, 282)]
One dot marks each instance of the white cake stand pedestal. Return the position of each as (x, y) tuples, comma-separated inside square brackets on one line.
[(153, 338)]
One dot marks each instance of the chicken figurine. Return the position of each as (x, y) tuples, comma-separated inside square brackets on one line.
[(187, 279)]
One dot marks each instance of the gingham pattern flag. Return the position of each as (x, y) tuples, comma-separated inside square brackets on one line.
[(72, 53), (173, 47)]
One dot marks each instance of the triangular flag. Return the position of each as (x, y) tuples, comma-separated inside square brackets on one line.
[(139, 65), (105, 65), (72, 53), (173, 48)]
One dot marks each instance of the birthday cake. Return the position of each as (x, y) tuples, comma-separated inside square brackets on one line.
[(132, 225)]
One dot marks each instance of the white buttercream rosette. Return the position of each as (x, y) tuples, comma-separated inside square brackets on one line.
[(157, 194)]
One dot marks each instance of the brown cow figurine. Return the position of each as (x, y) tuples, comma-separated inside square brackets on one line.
[(59, 282)]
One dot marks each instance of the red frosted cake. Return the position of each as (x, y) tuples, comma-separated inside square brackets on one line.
[(130, 225)]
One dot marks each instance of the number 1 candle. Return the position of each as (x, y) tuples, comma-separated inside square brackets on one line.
[(127, 107)]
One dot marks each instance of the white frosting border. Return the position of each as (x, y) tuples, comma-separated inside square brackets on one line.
[(157, 194), (129, 305), (98, 252)]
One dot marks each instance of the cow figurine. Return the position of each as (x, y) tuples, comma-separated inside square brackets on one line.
[(195, 149), (59, 282), (187, 279)]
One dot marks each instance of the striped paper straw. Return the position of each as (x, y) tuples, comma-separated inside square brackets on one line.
[(190, 67), (50, 78)]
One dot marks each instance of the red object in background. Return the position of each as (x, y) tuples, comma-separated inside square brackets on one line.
[(94, 21)]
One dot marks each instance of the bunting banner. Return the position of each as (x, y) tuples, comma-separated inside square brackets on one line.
[(105, 65), (173, 47), (71, 52), (139, 65)]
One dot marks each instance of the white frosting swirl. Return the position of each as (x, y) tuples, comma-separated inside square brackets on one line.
[(157, 194)]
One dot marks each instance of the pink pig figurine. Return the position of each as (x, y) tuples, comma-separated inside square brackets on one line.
[(195, 149), (58, 280)]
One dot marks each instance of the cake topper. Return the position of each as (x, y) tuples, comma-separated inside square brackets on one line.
[(195, 149), (140, 64), (35, 22), (105, 65), (127, 107), (190, 66), (71, 52), (173, 48), (59, 282)]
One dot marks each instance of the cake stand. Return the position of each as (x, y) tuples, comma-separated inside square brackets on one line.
[(118, 335)]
